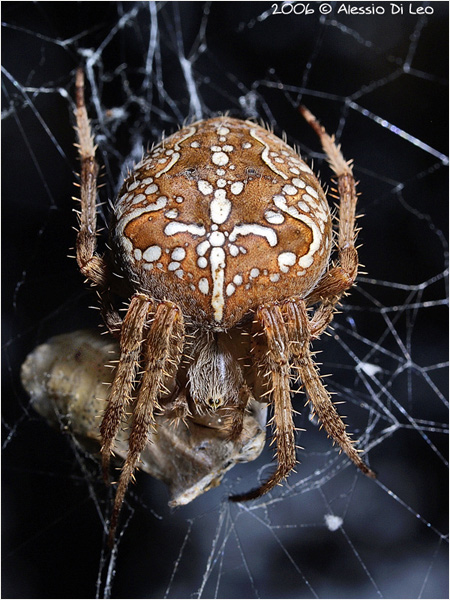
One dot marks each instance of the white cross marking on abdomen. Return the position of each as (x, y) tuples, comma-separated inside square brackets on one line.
[(216, 239), (255, 229), (218, 263)]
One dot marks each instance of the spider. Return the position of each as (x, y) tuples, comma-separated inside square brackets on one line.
[(221, 240)]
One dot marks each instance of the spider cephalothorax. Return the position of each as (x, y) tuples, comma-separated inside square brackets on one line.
[(223, 235)]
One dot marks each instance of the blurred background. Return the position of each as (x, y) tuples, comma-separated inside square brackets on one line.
[(380, 82)]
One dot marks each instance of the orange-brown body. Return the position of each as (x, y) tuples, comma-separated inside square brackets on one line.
[(220, 222), (221, 217)]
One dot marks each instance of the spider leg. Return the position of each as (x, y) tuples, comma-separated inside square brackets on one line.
[(90, 264), (235, 422), (340, 278), (163, 349), (109, 313), (277, 365), (122, 387), (328, 292), (298, 327)]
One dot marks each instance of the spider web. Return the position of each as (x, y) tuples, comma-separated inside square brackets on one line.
[(379, 81)]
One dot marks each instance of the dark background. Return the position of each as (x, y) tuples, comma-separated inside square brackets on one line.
[(368, 77)]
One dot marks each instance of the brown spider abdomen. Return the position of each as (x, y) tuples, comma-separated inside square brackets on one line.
[(220, 218)]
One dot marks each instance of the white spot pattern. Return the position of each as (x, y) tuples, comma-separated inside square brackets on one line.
[(178, 254), (307, 259), (217, 260), (220, 209), (205, 187), (203, 285), (274, 218), (219, 158), (151, 189), (177, 227), (255, 229), (237, 187), (230, 289), (286, 260), (152, 253), (265, 155)]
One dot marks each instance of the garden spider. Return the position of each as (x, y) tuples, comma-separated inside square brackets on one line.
[(221, 237)]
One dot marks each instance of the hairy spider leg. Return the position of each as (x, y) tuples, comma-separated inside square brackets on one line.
[(298, 326), (121, 392), (90, 264), (300, 331), (276, 364), (328, 292), (162, 351), (341, 277), (234, 424), (163, 344)]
